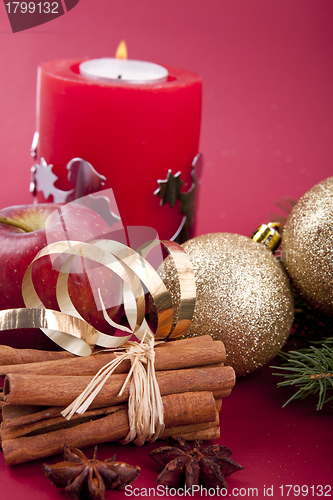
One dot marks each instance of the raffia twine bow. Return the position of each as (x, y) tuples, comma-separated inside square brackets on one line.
[(145, 407), (69, 330)]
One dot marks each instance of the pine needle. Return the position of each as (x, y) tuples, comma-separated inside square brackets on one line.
[(310, 371)]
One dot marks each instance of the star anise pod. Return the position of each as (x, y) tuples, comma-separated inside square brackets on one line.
[(79, 474), (191, 466)]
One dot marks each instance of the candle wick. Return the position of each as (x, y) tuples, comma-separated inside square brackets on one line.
[(119, 76)]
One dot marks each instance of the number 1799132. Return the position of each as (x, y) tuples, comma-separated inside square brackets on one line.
[(299, 491), (32, 7)]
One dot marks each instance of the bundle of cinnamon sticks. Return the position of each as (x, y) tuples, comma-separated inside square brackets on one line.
[(38, 385)]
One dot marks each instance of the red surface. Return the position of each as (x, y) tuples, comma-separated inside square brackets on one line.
[(266, 133), (131, 133)]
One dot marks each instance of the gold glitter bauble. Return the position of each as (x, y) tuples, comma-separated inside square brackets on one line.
[(308, 246), (244, 297)]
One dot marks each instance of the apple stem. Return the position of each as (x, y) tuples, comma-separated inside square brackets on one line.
[(14, 223)]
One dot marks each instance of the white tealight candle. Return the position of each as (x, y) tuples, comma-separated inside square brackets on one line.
[(126, 70)]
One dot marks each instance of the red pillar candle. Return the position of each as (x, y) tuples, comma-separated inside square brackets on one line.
[(132, 133)]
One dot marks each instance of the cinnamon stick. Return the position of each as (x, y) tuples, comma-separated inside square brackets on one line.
[(179, 410), (190, 428), (21, 416), (203, 434), (186, 353), (55, 422), (61, 391), (18, 412), (12, 356), (50, 419)]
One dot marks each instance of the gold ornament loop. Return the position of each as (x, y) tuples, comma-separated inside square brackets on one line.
[(269, 235)]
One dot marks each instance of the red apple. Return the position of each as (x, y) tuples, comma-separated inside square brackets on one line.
[(18, 247)]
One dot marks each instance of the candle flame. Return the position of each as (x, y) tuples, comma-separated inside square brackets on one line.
[(121, 50)]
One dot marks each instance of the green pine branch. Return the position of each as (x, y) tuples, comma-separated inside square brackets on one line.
[(310, 371)]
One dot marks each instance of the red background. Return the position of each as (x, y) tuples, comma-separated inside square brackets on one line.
[(266, 133)]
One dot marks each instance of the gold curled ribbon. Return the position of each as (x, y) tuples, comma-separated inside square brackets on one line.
[(55, 325), (134, 270), (90, 251), (187, 288)]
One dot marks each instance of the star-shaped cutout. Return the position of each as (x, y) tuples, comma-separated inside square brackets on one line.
[(45, 178), (169, 188)]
